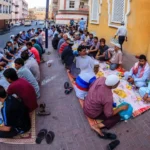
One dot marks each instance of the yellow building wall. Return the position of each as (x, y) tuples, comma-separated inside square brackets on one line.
[(138, 27)]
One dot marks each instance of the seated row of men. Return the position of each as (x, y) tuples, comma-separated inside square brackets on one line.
[(19, 99), (77, 54)]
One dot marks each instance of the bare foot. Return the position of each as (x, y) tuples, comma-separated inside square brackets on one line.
[(97, 129)]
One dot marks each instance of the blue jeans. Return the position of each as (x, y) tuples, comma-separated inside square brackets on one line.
[(113, 66)]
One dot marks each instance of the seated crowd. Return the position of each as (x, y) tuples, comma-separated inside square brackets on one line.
[(25, 51), (79, 50)]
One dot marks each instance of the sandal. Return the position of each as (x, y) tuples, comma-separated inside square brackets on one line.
[(68, 91), (113, 145), (41, 135), (49, 137), (43, 113), (66, 85), (108, 136)]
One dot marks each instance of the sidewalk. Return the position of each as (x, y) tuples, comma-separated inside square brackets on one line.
[(72, 131)]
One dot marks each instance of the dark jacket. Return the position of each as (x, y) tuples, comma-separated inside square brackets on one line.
[(55, 41), (67, 56)]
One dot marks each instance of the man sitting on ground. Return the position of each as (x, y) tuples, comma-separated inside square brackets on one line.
[(65, 37), (87, 76), (25, 73), (90, 41), (35, 45), (32, 65), (22, 88), (15, 116), (145, 93), (139, 73), (34, 51), (115, 57), (94, 48), (102, 49), (99, 103)]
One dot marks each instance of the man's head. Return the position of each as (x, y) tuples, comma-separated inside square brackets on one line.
[(91, 36), (81, 18), (19, 62), (29, 45), (142, 60), (82, 50), (81, 32), (9, 43), (86, 33), (95, 39), (70, 42), (102, 42), (122, 23), (15, 41), (112, 81), (25, 55), (33, 41), (23, 32), (77, 37), (65, 36), (3, 93), (117, 47), (10, 75)]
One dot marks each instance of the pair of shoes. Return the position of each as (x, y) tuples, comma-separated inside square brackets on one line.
[(49, 136), (110, 136), (42, 111), (68, 89)]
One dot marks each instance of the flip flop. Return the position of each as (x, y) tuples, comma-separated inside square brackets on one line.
[(68, 91), (41, 135), (49, 137), (108, 136), (113, 145), (43, 113), (42, 107), (66, 85)]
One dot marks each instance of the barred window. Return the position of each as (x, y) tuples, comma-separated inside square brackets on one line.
[(118, 11), (72, 4)]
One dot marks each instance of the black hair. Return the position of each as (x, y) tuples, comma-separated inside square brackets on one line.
[(25, 55), (33, 40), (29, 44), (102, 40), (19, 61), (10, 74), (81, 47), (96, 37), (81, 31), (3, 93), (143, 57)]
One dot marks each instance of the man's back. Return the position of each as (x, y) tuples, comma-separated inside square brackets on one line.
[(98, 97), (25, 91), (38, 48), (25, 73), (33, 66)]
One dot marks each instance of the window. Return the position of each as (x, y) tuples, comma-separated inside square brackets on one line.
[(118, 11), (4, 9), (81, 4), (72, 4), (95, 12)]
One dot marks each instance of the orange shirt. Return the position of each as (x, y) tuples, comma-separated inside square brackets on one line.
[(36, 54)]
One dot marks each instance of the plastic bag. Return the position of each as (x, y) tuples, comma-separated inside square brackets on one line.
[(49, 63)]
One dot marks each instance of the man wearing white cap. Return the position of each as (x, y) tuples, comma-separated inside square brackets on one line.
[(115, 56), (99, 103)]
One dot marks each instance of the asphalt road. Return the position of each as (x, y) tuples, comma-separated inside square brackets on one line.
[(6, 37)]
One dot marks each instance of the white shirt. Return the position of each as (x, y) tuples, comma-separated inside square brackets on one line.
[(1, 56), (122, 31)]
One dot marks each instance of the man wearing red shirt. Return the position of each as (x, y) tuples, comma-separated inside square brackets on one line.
[(22, 88), (34, 51), (62, 47)]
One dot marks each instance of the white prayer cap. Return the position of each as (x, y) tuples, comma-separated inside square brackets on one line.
[(112, 80), (20, 32), (12, 36)]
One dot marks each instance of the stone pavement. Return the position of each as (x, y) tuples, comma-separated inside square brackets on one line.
[(69, 123)]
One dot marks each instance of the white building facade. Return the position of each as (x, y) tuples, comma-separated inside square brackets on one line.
[(19, 10), (71, 9)]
